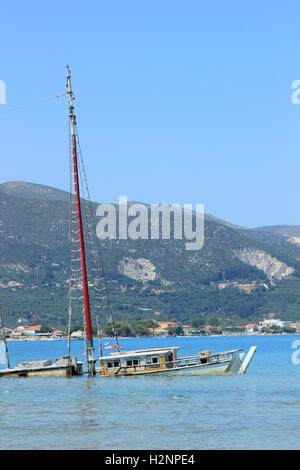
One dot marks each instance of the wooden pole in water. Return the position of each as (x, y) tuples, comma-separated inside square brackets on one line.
[(4, 341)]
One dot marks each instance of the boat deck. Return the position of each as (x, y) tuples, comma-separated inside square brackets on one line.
[(63, 367)]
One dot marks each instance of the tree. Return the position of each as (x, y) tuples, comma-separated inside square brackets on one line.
[(141, 327), (175, 331), (198, 322), (46, 329), (122, 329)]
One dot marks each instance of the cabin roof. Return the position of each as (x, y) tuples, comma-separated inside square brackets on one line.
[(141, 352)]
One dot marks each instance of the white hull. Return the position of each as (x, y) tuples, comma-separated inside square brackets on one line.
[(207, 369)]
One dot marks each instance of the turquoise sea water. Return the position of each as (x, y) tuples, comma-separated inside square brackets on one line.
[(258, 410)]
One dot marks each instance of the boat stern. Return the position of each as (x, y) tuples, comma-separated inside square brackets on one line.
[(240, 363)]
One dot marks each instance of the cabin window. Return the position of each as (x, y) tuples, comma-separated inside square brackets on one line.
[(135, 362), (113, 364), (152, 360), (129, 363)]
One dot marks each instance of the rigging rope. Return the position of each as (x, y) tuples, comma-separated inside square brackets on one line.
[(32, 104), (87, 201)]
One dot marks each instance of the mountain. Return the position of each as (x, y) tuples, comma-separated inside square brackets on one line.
[(33, 191), (239, 275), (286, 230)]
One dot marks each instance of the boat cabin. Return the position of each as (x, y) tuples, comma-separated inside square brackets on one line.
[(138, 362)]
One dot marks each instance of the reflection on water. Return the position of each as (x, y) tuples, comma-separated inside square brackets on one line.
[(259, 410)]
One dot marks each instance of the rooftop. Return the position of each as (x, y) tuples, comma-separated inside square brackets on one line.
[(141, 352)]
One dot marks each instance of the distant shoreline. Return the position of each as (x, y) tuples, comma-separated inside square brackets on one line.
[(64, 338)]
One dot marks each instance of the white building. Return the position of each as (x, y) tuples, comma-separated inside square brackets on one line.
[(77, 334), (275, 322)]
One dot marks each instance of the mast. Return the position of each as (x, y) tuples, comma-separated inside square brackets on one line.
[(87, 313)]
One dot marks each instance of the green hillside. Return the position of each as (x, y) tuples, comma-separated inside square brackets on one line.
[(155, 279)]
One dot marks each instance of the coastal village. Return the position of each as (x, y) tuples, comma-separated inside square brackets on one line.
[(269, 326)]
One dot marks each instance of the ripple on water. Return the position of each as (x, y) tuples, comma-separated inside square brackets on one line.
[(258, 410)]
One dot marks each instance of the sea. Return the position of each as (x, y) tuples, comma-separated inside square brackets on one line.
[(259, 410)]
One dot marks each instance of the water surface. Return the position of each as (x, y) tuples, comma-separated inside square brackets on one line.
[(258, 410)]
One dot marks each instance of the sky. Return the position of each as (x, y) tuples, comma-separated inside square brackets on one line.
[(185, 102)]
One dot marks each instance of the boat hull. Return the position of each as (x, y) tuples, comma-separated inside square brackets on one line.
[(54, 371), (62, 368), (207, 369), (141, 362), (223, 367)]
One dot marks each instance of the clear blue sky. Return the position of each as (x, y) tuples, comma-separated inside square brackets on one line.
[(177, 101)]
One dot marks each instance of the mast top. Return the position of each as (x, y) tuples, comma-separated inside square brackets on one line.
[(70, 96)]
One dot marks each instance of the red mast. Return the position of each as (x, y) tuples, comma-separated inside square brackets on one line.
[(89, 336)]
